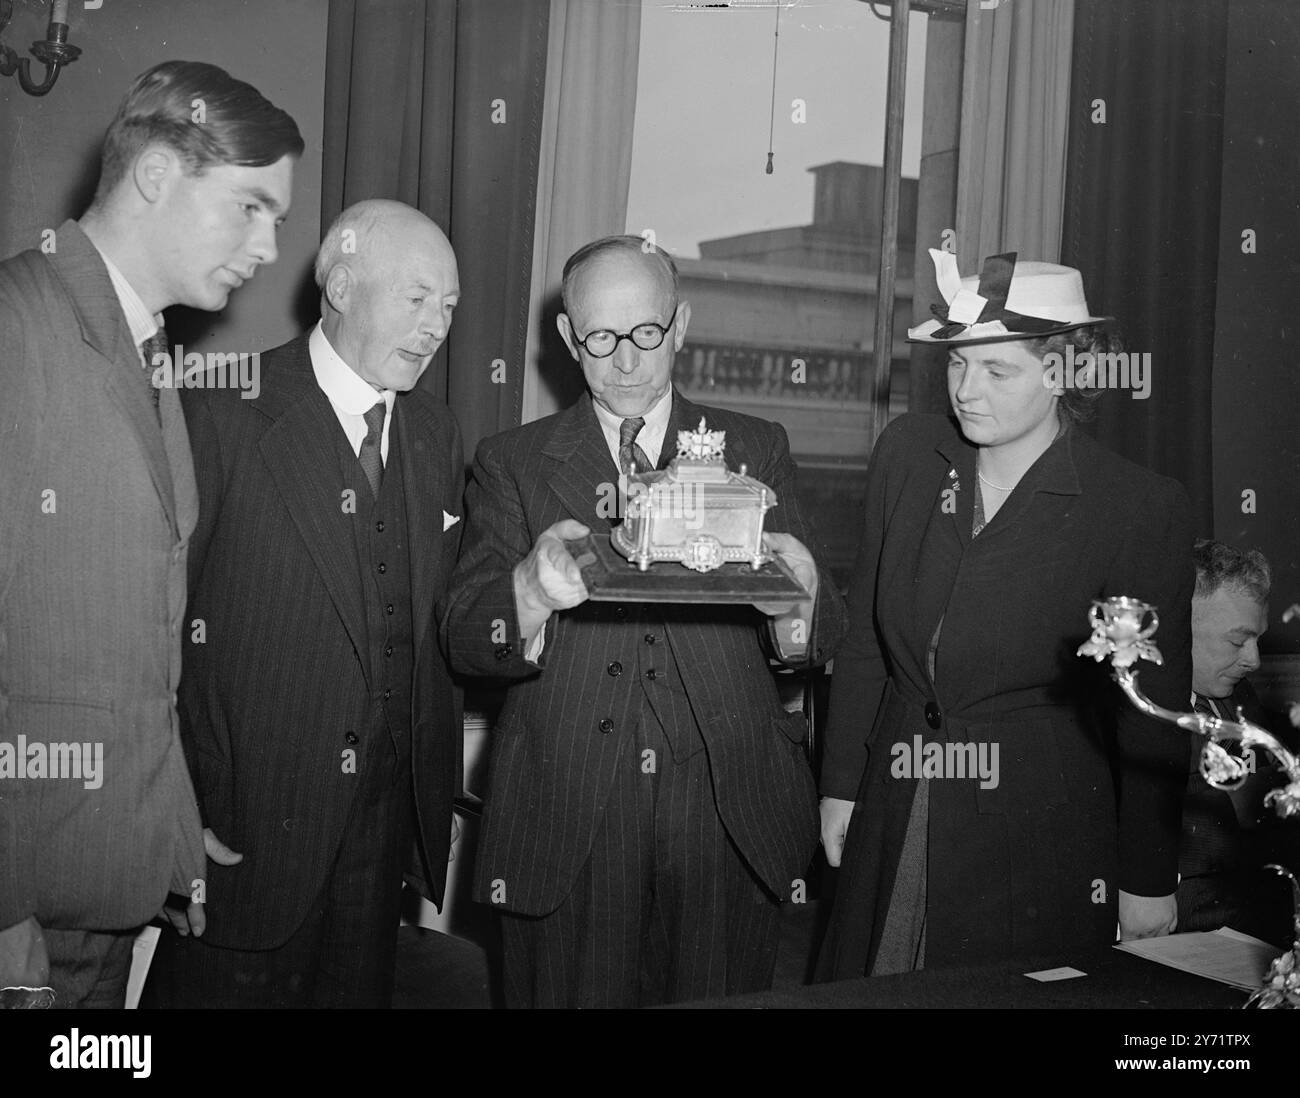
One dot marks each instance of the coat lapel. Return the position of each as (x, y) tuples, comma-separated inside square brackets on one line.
[(930, 566), (426, 489), (581, 471), (176, 440), (584, 473), (103, 326), (960, 458), (300, 452), (686, 417), (1053, 472)]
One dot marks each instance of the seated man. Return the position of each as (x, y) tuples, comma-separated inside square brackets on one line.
[(1229, 836)]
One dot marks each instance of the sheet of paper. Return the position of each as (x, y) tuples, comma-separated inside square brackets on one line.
[(141, 955), (1047, 975), (1225, 955)]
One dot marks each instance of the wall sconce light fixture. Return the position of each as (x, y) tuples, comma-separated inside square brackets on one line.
[(53, 51)]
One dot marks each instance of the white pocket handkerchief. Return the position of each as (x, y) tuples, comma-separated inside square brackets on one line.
[(448, 521)]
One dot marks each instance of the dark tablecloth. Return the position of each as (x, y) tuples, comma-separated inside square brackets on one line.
[(1113, 981)]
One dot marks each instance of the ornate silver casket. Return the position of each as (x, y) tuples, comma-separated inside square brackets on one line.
[(696, 511)]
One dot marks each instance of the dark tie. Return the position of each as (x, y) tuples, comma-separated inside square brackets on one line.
[(371, 459), (1202, 705), (628, 450), (156, 344)]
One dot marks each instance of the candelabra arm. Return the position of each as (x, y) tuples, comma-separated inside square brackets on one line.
[(1213, 728), (1128, 682), (1122, 628)]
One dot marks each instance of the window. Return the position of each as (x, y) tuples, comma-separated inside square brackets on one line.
[(780, 268)]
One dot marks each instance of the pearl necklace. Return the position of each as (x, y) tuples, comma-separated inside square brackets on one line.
[(991, 484)]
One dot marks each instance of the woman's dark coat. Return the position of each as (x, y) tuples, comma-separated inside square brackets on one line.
[(1085, 804)]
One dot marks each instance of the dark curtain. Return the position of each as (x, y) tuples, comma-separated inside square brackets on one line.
[(411, 91), (1142, 216), (1257, 386)]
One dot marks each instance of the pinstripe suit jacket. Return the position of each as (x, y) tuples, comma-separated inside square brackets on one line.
[(280, 686), (552, 765), (96, 509)]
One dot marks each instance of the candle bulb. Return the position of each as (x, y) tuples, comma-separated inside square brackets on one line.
[(60, 12)]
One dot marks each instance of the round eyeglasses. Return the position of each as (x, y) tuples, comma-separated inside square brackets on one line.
[(647, 336)]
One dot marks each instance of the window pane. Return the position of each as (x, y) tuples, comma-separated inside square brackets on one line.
[(780, 268)]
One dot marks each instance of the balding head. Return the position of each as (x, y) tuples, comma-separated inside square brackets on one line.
[(636, 250), (369, 229), (389, 283)]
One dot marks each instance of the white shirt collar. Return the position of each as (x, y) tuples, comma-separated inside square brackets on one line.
[(139, 320), (349, 396), (343, 385), (651, 436)]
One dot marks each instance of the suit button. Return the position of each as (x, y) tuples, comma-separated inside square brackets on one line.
[(652, 674), (388, 651), (388, 609), (351, 737), (620, 612), (615, 668), (382, 568), (387, 694), (504, 651), (379, 526), (607, 726), (933, 716), (649, 638)]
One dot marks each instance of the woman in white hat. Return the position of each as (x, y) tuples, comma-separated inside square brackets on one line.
[(984, 794)]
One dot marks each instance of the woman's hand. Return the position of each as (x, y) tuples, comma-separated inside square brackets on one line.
[(1142, 916), (835, 825)]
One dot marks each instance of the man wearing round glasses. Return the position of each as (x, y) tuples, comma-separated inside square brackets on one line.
[(650, 804), (626, 306), (602, 342)]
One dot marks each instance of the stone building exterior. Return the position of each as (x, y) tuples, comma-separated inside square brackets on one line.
[(782, 325)]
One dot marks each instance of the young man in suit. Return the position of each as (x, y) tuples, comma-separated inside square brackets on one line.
[(319, 719), (97, 493), (650, 803)]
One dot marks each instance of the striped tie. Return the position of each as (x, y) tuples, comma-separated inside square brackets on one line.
[(371, 459), (628, 450), (156, 344)]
